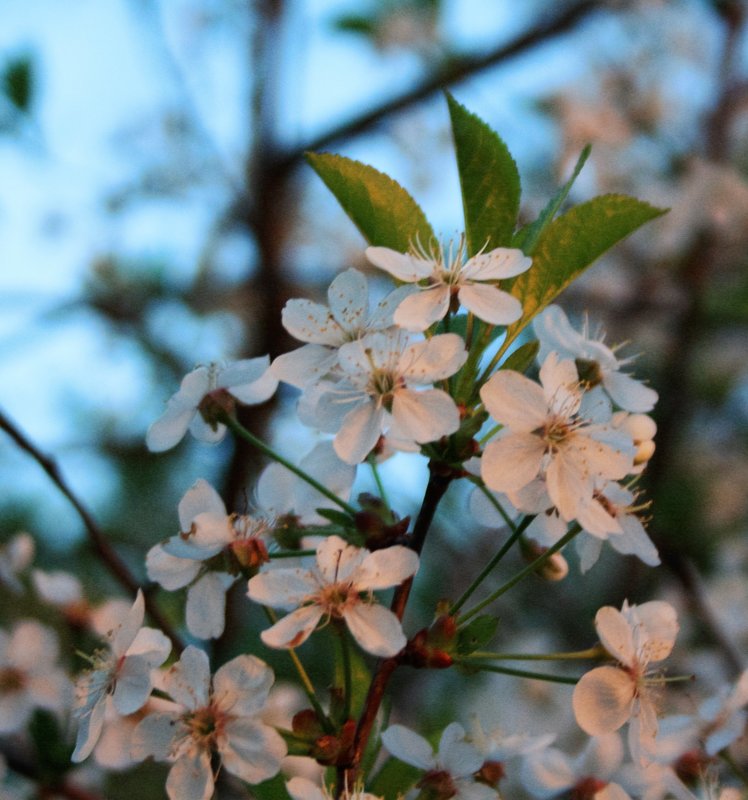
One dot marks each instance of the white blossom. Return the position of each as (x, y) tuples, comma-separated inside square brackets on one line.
[(248, 381), (607, 697), (327, 328), (472, 281), (219, 716), (15, 557), (451, 769), (207, 530), (545, 437), (30, 676), (304, 789), (122, 670), (597, 364), (332, 589)]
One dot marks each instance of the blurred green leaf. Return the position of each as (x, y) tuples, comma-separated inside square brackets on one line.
[(18, 82), (354, 23), (52, 747), (527, 238), (521, 358), (488, 178), (476, 634), (381, 209), (572, 242)]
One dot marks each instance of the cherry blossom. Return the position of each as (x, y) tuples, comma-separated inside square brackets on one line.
[(545, 436), (16, 556), (332, 590), (472, 281), (219, 716), (327, 328), (30, 676), (123, 670), (597, 364), (248, 381), (452, 771), (550, 772), (207, 530), (607, 697), (375, 394)]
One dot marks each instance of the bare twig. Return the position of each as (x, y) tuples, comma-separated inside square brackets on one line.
[(96, 537)]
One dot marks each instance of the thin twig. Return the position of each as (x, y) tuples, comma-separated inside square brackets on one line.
[(96, 537)]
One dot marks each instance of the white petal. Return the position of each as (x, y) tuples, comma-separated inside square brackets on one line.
[(603, 700), (312, 322), (191, 778), (252, 750), (243, 685), (422, 309), (152, 645), (359, 432), (616, 635), (200, 498), (172, 425), (385, 568), (133, 685), (282, 588), (569, 484), (153, 736), (259, 390), (628, 393), (561, 385), (188, 681), (58, 587), (660, 620), (511, 462), (376, 629), (456, 755), (304, 365), (348, 297), (337, 560), (490, 304), (210, 433), (205, 612), (171, 572), (124, 634), (383, 315), (501, 262), (32, 647), (433, 359), (547, 773), (635, 541), (304, 789), (515, 401), (294, 629), (409, 747), (89, 730), (402, 266), (424, 416)]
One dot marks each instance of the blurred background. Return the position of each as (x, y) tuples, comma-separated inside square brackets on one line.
[(156, 212)]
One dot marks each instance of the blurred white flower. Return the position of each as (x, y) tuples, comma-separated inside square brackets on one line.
[(607, 697), (123, 670), (29, 674), (597, 365), (450, 772), (248, 381), (472, 281), (332, 589)]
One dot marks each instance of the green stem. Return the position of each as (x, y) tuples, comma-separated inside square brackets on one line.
[(378, 479), (305, 681), (520, 673), (238, 429), (347, 681), (292, 554), (517, 531), (532, 567), (483, 439), (598, 651)]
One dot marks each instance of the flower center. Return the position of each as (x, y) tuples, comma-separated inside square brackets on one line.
[(336, 598), (206, 725), (11, 680)]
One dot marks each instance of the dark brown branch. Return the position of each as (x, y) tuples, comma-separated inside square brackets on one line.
[(96, 536), (455, 71)]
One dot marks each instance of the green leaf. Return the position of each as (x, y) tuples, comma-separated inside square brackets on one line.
[(360, 677), (476, 633), (336, 517), (381, 209), (18, 82), (527, 238), (521, 358), (488, 178), (571, 243), (394, 779)]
